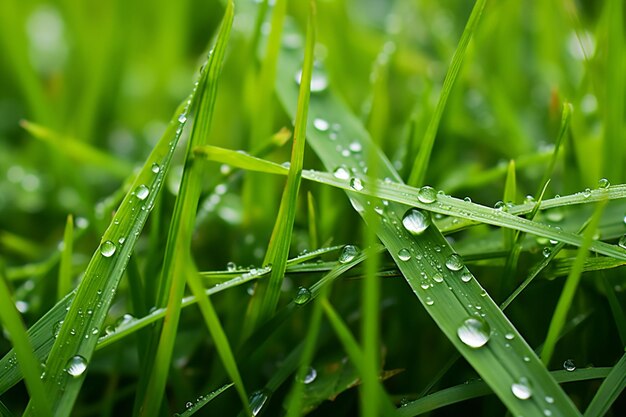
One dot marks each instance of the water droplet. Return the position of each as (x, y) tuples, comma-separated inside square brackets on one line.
[(348, 253), (182, 118), (321, 125), (416, 221), (454, 262), (257, 401), (603, 183), (549, 400), (356, 184), (547, 412), (474, 332), (587, 193), (303, 295), (509, 336), (309, 377), (438, 277), (155, 168), (142, 192), (76, 365), (569, 365), (341, 173), (355, 147), (622, 242), (521, 389), (319, 81), (121, 240), (546, 252), (56, 328), (189, 404), (429, 301), (107, 249), (466, 277), (404, 254), (427, 194), (231, 266)]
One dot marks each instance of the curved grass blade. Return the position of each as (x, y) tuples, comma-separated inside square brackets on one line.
[(203, 400), (177, 255), (89, 303), (420, 166), (609, 391), (12, 322), (451, 301)]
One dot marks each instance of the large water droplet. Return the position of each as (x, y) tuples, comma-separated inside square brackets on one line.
[(319, 81), (416, 221), (474, 332), (454, 262), (76, 365), (521, 389), (569, 365), (603, 183), (404, 254), (356, 184), (341, 173), (257, 401), (142, 192), (427, 194), (303, 295), (348, 254), (107, 249)]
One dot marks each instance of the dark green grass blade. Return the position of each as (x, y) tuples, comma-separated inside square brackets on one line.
[(177, 256), (450, 302), (28, 362), (609, 391), (420, 166)]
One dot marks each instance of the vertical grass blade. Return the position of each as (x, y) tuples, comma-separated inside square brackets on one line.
[(420, 166), (177, 256), (65, 265), (609, 391), (28, 362)]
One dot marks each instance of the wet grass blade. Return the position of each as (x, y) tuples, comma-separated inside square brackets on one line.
[(177, 256), (609, 391), (420, 166), (65, 265), (265, 299), (204, 400), (24, 355)]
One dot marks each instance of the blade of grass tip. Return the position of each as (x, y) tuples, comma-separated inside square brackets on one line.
[(79, 151), (204, 400), (172, 282), (65, 265), (263, 303), (28, 362), (609, 391), (217, 332), (510, 193), (616, 308), (312, 220), (420, 166), (571, 284), (73, 348)]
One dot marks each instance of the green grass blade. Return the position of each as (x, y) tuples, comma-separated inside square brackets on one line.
[(265, 299), (569, 290), (420, 166), (312, 220), (28, 362), (616, 308), (5, 412), (204, 400), (77, 337), (65, 265), (172, 284), (501, 366), (609, 391)]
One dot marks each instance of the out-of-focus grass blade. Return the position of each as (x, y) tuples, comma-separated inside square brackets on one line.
[(609, 391), (203, 400), (476, 389), (616, 308), (65, 265), (78, 335), (420, 166), (571, 284), (263, 303), (79, 151), (5, 412), (177, 252), (438, 277), (312, 220), (450, 206), (25, 357)]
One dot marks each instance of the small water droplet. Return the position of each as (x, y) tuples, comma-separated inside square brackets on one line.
[(509, 336), (429, 301), (622, 242), (454, 262), (474, 332), (355, 147), (569, 365), (257, 401), (604, 183), (342, 173), (56, 328), (521, 389), (348, 254), (438, 277), (356, 184), (466, 277), (546, 252), (189, 404), (76, 365), (319, 81), (587, 193), (142, 192), (321, 125), (404, 254), (309, 377), (107, 249), (303, 295), (416, 221), (231, 266), (155, 168), (427, 194), (182, 118), (549, 400), (547, 412)]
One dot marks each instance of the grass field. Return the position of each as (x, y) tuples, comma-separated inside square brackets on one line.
[(325, 208)]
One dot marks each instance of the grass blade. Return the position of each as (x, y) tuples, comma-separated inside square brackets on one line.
[(65, 265), (204, 400), (420, 166), (609, 391)]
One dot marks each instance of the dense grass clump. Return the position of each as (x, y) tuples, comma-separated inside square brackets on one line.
[(243, 245)]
